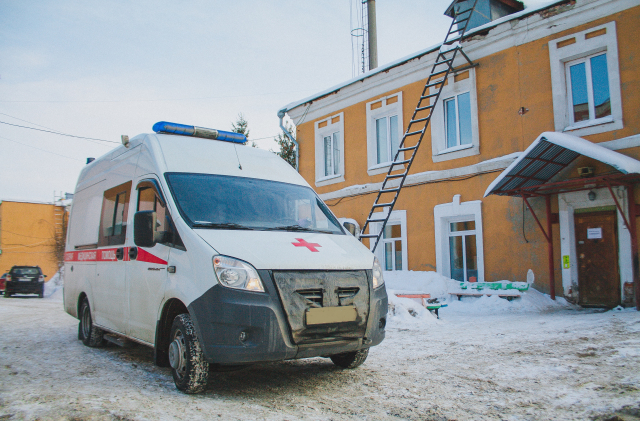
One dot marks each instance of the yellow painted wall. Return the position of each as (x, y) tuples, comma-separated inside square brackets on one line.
[(27, 236), (505, 81)]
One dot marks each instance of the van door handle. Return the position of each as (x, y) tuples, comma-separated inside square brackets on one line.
[(133, 253), (119, 253)]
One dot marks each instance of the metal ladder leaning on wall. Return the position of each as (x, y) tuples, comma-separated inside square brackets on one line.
[(422, 115)]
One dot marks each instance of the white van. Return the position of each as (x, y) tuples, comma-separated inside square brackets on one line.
[(215, 253)]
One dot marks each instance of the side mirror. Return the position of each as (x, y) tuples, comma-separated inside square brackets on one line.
[(350, 227), (144, 223)]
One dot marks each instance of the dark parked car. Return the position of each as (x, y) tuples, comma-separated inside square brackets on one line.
[(24, 280), (3, 278)]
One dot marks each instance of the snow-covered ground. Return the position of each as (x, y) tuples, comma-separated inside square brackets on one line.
[(486, 358)]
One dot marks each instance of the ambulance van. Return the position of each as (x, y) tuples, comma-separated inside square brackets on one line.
[(215, 254)]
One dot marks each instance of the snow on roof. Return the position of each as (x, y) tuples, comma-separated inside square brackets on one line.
[(550, 153), (531, 7)]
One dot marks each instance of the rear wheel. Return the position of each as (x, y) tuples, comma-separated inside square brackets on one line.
[(189, 368), (89, 334), (7, 294), (350, 359), (41, 293)]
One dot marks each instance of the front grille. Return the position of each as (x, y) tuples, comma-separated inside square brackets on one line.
[(313, 296), (304, 290)]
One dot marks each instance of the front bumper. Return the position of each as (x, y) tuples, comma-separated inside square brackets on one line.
[(24, 287), (237, 326)]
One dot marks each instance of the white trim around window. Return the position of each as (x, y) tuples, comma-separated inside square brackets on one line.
[(454, 123), (398, 217), (385, 128), (572, 50), (329, 138), (451, 213)]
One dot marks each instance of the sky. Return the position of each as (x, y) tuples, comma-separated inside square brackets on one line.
[(105, 69)]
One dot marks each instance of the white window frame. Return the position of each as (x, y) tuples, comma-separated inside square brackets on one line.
[(456, 211), (439, 150), (590, 99), (582, 48), (397, 217), (320, 134), (386, 110)]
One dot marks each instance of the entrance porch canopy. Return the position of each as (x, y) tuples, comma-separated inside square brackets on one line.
[(530, 175)]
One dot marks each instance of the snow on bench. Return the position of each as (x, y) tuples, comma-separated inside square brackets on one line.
[(424, 300), (508, 290)]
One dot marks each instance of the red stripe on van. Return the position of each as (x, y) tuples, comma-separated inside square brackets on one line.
[(145, 256), (109, 255)]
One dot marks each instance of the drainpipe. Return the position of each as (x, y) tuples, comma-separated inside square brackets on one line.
[(286, 132)]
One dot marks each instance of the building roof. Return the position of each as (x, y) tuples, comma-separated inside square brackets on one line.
[(475, 31), (549, 154)]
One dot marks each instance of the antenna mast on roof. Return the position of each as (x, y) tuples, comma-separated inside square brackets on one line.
[(364, 43)]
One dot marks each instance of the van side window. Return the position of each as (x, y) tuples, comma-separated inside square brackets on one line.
[(148, 200), (113, 222)]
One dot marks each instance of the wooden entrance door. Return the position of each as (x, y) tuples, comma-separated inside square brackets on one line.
[(597, 250)]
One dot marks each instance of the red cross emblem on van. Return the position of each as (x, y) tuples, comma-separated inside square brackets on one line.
[(303, 243)]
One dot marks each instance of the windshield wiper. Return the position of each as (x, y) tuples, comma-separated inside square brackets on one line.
[(221, 225), (297, 228)]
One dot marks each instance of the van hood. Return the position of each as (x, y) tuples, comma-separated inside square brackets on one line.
[(284, 250)]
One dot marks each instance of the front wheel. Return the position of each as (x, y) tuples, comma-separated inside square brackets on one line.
[(350, 359), (189, 368), (89, 334)]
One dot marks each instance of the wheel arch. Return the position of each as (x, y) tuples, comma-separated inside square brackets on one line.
[(170, 310), (81, 297)]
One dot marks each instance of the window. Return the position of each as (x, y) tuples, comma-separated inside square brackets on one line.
[(585, 81), (454, 123), (384, 132), (329, 150), (113, 223), (149, 200), (391, 242), (392, 248), (588, 88), (463, 256), (331, 154), (386, 139), (457, 117), (458, 235)]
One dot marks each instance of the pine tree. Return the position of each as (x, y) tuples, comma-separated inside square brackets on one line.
[(287, 147), (242, 126)]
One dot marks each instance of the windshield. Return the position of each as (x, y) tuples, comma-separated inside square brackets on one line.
[(26, 271), (226, 202)]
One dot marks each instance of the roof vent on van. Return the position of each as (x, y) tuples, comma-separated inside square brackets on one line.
[(195, 131)]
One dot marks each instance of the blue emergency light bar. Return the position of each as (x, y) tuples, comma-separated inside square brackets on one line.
[(195, 131)]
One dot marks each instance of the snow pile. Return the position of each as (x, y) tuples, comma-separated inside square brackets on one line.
[(530, 301), (53, 287), (404, 312), (409, 312)]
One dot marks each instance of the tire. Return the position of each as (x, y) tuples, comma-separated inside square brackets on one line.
[(41, 293), (350, 359), (189, 368), (7, 294), (89, 334)]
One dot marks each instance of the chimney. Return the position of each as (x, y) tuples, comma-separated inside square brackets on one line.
[(371, 31)]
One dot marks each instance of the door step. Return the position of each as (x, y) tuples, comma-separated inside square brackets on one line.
[(120, 341)]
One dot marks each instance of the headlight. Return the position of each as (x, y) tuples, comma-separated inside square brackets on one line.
[(378, 280), (234, 273)]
